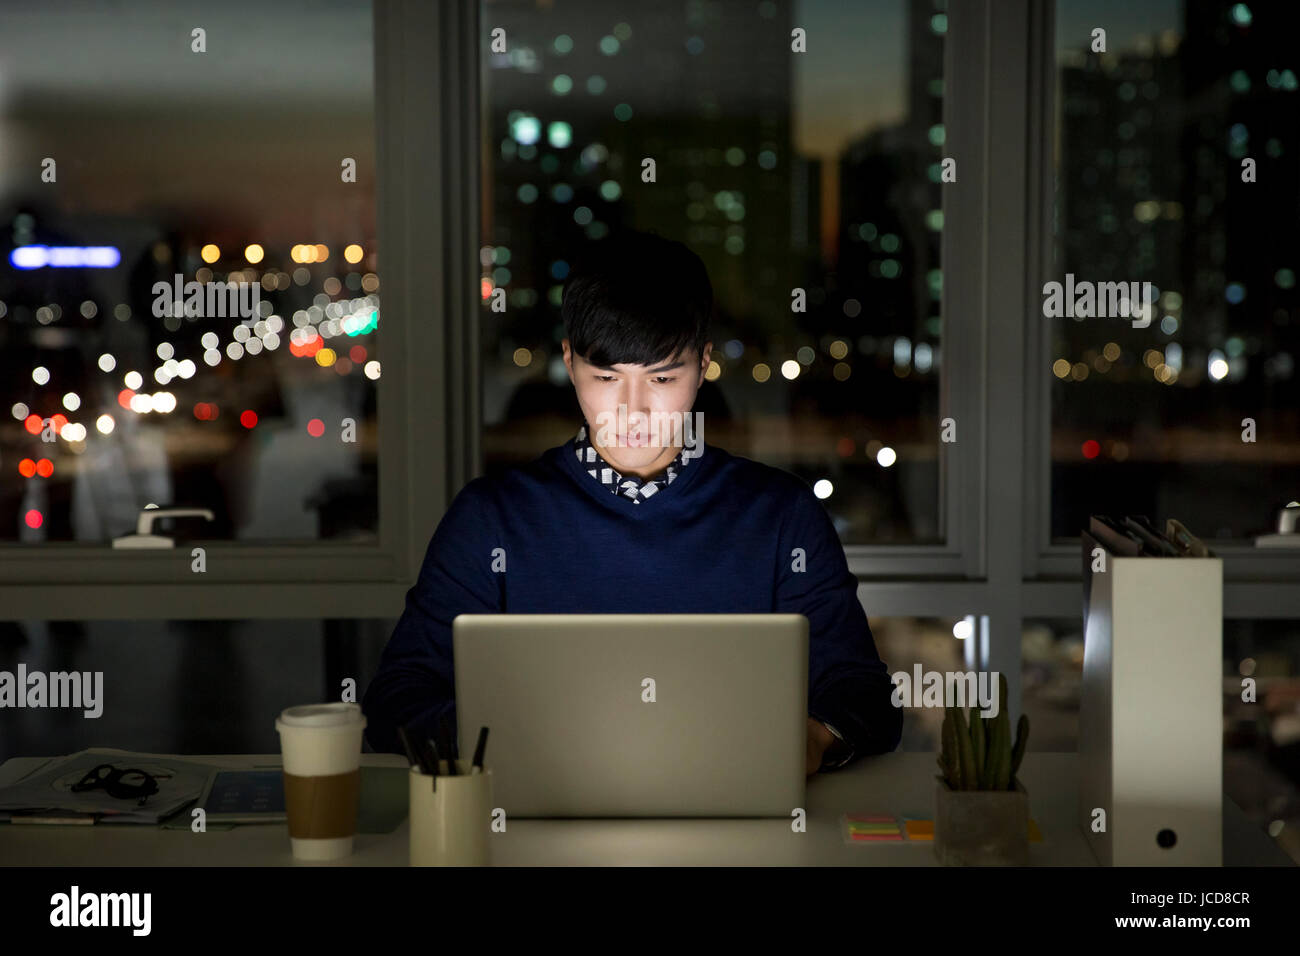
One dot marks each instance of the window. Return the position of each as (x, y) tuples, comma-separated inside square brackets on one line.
[(189, 293), (783, 171), (1177, 162)]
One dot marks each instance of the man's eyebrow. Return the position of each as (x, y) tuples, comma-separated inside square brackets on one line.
[(653, 371)]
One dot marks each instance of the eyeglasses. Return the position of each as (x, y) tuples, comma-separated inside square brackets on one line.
[(123, 784)]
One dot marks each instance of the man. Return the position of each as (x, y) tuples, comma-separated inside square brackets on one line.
[(636, 515)]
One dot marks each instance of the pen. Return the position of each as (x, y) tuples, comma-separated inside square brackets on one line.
[(477, 766), (431, 748), (415, 758), (448, 746), (430, 755)]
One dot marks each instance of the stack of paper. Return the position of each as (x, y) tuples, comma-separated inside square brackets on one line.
[(47, 794)]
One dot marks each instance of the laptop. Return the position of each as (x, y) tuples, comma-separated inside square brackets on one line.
[(636, 715)]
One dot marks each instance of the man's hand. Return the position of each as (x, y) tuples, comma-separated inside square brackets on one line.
[(819, 738)]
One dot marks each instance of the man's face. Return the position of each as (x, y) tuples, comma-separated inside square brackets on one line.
[(642, 439)]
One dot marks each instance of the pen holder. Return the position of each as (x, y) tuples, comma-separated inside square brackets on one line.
[(450, 825)]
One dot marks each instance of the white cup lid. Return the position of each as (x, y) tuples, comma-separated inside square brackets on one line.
[(322, 715)]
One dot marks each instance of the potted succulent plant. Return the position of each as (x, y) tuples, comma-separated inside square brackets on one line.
[(981, 809)]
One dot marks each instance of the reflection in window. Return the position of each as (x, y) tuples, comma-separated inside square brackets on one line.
[(1150, 407), (157, 693), (936, 645), (782, 170), (189, 291)]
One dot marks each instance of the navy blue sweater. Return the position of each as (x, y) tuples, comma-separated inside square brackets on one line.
[(724, 533)]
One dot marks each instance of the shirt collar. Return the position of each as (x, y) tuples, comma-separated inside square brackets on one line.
[(628, 486)]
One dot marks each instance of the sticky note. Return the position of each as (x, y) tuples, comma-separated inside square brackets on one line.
[(924, 830), (920, 829), (871, 828)]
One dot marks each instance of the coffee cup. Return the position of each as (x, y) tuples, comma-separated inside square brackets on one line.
[(321, 747)]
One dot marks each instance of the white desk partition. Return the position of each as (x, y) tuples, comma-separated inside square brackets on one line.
[(1151, 713)]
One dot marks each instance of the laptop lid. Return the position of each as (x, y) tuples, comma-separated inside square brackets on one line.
[(637, 715)]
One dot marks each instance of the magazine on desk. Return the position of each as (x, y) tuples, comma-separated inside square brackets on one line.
[(46, 794)]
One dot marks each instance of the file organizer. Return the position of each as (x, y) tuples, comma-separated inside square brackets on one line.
[(1151, 713)]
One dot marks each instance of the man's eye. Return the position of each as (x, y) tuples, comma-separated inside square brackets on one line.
[(661, 379)]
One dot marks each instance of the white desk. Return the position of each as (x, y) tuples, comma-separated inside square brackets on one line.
[(898, 783)]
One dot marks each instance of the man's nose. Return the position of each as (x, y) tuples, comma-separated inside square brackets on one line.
[(636, 397)]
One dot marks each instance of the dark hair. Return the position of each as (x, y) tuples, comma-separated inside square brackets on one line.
[(636, 298)]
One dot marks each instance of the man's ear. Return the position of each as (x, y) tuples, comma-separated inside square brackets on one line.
[(568, 358)]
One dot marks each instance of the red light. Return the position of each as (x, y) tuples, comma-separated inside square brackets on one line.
[(1091, 449), (315, 428), (357, 353), (59, 420), (34, 519), (124, 398), (201, 411), (45, 468), (27, 468), (248, 418), (33, 424), (485, 288)]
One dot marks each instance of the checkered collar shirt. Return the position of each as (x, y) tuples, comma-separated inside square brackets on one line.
[(629, 486)]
